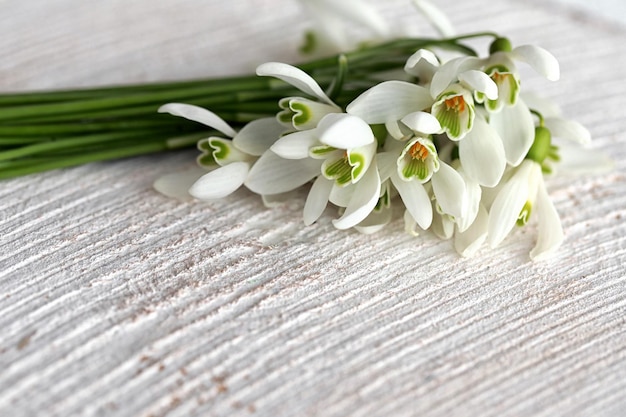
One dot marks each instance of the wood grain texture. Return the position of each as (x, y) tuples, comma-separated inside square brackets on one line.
[(115, 301)]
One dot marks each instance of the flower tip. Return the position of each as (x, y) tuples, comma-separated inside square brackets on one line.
[(540, 60)]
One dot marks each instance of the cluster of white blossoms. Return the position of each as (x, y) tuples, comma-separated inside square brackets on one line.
[(455, 143)]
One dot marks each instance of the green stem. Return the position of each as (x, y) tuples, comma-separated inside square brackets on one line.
[(47, 130), (46, 165)]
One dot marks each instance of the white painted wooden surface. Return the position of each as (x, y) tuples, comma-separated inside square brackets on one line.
[(115, 301)]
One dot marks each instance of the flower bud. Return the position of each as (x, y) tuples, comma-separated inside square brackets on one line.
[(540, 148), (500, 45)]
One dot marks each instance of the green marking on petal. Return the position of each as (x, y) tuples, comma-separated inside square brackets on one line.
[(220, 149), (508, 87), (415, 168), (514, 89), (285, 116), (455, 114), (339, 170), (206, 160), (524, 215), (204, 145), (384, 201), (301, 113), (321, 151), (357, 161)]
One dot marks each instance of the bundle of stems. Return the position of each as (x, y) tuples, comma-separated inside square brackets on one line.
[(41, 131)]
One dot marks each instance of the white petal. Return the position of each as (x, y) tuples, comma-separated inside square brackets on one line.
[(422, 64), (375, 221), (568, 129), (468, 242), (473, 194), (341, 196), (272, 174), (515, 126), (390, 100), (397, 130), (416, 200), (344, 131), (422, 122), (449, 189), (356, 11), (579, 160), (276, 200), (449, 72), (410, 225), (550, 229), (509, 203), (482, 154), (386, 164), (198, 114), (220, 182), (294, 76), (541, 104), (442, 226), (295, 145), (257, 136), (479, 81), (541, 60), (175, 185), (366, 194), (317, 200), (330, 33), (436, 17)]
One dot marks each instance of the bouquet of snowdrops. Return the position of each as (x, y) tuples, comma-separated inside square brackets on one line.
[(429, 125)]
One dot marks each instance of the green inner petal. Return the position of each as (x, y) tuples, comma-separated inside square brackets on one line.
[(204, 145), (220, 150), (302, 114), (285, 116), (415, 168), (384, 201), (340, 171), (206, 160), (321, 151), (449, 120), (357, 161), (524, 215)]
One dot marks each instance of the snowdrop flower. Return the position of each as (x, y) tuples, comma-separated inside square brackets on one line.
[(331, 17), (336, 149), (297, 112), (381, 214), (412, 163), (345, 147), (233, 157), (470, 229), (302, 113), (454, 109), (572, 139), (524, 193)]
